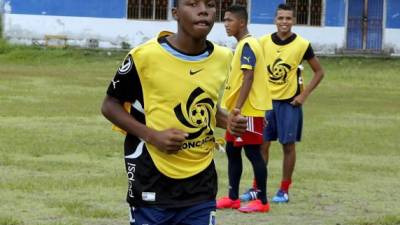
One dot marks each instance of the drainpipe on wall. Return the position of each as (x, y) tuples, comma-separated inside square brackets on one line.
[(1, 18)]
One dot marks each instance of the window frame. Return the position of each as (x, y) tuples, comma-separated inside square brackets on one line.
[(153, 11), (322, 14), (219, 18), (248, 4)]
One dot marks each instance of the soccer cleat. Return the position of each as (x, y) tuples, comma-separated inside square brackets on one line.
[(227, 203), (249, 195), (281, 197), (254, 206)]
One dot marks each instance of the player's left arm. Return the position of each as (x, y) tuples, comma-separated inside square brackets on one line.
[(317, 77)]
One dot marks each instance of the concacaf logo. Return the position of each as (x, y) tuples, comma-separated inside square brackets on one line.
[(196, 113), (126, 65), (278, 71)]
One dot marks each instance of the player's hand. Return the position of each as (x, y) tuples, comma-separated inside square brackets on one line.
[(237, 123), (298, 100), (169, 141)]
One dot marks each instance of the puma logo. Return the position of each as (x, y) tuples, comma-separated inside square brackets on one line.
[(114, 83), (247, 59)]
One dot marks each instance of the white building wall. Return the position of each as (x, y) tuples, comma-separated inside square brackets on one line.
[(391, 41), (111, 33)]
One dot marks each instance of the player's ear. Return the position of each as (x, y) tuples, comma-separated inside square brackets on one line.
[(174, 12), (294, 18), (243, 22)]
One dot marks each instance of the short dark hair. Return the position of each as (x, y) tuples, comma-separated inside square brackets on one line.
[(239, 10), (176, 3), (283, 6)]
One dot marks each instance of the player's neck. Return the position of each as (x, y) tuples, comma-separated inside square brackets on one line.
[(242, 34), (284, 35), (187, 44)]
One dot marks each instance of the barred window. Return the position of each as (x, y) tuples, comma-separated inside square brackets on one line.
[(158, 9), (222, 5), (307, 12), (148, 9)]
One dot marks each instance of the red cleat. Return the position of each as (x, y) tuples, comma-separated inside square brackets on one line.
[(254, 206), (227, 203)]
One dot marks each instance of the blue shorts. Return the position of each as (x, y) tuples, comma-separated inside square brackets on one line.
[(285, 122), (199, 214)]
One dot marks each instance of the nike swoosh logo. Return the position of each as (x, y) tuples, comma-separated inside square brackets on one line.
[(194, 72)]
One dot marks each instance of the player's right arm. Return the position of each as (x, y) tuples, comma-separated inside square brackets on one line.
[(247, 64), (166, 140), (125, 87), (235, 123), (316, 79)]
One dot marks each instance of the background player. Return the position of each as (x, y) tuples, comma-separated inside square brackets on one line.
[(246, 90), (284, 52)]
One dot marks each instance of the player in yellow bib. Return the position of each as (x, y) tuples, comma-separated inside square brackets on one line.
[(246, 90), (164, 97), (284, 52)]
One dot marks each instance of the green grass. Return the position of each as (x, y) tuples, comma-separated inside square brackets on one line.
[(60, 164)]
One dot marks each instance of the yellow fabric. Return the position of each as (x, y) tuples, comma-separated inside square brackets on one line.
[(282, 62), (169, 89), (259, 99)]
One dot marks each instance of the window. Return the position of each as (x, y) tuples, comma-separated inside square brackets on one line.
[(148, 9), (222, 5), (307, 12), (158, 9)]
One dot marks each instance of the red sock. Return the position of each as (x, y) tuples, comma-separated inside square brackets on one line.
[(254, 184), (285, 185)]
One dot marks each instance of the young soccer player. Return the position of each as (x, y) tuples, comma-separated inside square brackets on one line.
[(284, 52), (165, 97), (247, 91)]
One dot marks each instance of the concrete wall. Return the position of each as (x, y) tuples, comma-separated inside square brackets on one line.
[(391, 41), (86, 8), (29, 23), (111, 33)]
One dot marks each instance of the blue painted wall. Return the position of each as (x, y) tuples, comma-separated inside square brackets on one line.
[(393, 14), (335, 13), (84, 8), (263, 11)]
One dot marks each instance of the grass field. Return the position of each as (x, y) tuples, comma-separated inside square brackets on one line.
[(60, 164)]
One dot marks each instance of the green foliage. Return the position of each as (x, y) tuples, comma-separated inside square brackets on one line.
[(4, 46), (1, 19), (61, 164), (33, 55), (125, 45)]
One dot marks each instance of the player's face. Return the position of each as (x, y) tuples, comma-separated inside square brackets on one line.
[(284, 21), (195, 17), (232, 24)]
